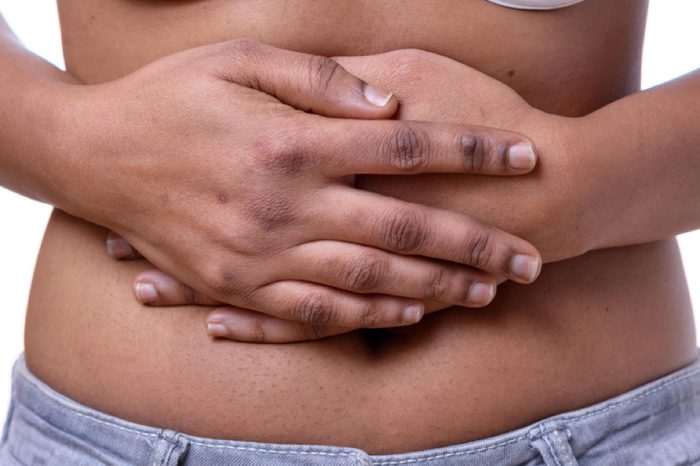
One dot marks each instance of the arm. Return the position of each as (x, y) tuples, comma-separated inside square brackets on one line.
[(643, 178), (193, 161), (624, 174), (29, 121)]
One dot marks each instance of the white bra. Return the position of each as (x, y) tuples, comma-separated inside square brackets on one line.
[(535, 4)]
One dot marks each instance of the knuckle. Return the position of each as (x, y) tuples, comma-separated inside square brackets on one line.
[(371, 315), (408, 148), (292, 162), (285, 152), (243, 47), (270, 210), (315, 309), (238, 54), (474, 150), (366, 272), (404, 230), (222, 282), (322, 71), (500, 157), (286, 156), (315, 332), (480, 248), (258, 333), (437, 287), (187, 294), (408, 62)]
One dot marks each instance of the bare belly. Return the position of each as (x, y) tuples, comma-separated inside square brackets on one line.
[(590, 327)]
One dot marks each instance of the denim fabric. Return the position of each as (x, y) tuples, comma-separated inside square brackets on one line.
[(657, 424)]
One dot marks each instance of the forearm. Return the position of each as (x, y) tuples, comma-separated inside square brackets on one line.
[(30, 91), (643, 155)]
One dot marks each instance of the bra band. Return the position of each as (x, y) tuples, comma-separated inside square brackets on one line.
[(535, 4)]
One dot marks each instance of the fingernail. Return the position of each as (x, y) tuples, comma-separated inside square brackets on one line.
[(146, 293), (118, 247), (412, 314), (216, 330), (377, 96), (481, 293), (526, 268), (521, 156)]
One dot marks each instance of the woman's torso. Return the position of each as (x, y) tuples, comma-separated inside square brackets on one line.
[(588, 329)]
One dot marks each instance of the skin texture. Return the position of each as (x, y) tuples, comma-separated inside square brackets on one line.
[(587, 329)]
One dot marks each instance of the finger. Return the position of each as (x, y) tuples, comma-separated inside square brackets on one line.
[(118, 248), (155, 288), (255, 327), (321, 305), (307, 82), (410, 147), (413, 229), (362, 269)]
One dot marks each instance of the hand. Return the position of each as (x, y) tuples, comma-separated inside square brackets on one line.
[(546, 207), (214, 180)]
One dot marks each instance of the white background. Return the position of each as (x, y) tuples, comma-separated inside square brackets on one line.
[(672, 48)]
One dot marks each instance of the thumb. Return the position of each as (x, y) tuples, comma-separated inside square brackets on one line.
[(307, 82)]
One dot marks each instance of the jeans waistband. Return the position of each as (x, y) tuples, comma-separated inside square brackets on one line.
[(581, 430)]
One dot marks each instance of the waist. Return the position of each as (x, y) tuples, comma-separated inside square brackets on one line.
[(656, 423), (589, 329)]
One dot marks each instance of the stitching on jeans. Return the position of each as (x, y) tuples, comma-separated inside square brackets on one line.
[(673, 380), (301, 452), (269, 450), (565, 448), (174, 445), (156, 448), (552, 451), (456, 453), (166, 458)]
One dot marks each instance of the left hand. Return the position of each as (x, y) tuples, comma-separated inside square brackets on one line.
[(542, 207)]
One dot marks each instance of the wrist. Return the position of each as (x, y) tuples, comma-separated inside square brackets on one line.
[(26, 140), (611, 177), (565, 221), (54, 132)]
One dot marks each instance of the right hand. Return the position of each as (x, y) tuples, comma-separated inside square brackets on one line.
[(205, 164)]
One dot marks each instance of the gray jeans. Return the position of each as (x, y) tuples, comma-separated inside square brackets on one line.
[(656, 424)]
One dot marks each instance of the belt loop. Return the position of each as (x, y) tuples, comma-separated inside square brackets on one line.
[(170, 449), (551, 439)]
